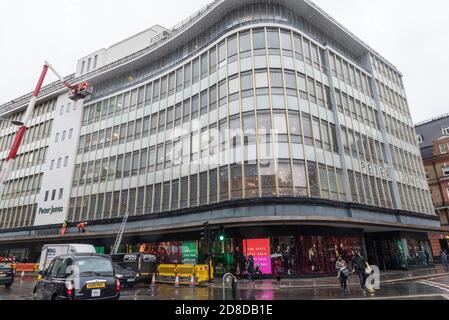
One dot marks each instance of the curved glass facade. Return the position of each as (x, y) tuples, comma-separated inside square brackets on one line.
[(262, 112)]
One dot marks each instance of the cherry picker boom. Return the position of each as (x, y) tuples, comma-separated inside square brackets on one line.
[(77, 92)]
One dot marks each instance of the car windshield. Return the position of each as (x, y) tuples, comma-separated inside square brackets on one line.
[(95, 265)]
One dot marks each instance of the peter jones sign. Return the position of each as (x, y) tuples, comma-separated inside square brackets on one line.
[(50, 211)]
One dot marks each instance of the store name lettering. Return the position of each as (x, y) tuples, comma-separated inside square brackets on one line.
[(51, 210), (410, 180), (375, 171)]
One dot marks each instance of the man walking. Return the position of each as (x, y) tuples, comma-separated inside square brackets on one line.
[(359, 266), (444, 259)]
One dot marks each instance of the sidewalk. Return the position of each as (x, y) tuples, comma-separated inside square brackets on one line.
[(332, 281)]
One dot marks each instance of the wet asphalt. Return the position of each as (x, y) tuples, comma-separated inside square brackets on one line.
[(428, 289)]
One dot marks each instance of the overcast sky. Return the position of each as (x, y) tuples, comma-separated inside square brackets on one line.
[(413, 35)]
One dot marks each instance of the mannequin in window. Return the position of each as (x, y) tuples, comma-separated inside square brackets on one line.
[(313, 258)]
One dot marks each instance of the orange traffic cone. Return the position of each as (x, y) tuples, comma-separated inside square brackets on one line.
[(153, 281), (192, 281), (177, 281)]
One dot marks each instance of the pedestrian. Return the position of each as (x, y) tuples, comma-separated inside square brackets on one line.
[(278, 270), (427, 257), (250, 269), (444, 259), (239, 263), (81, 227), (342, 274), (358, 267)]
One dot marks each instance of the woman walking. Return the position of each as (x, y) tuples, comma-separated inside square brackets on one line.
[(250, 269), (342, 275)]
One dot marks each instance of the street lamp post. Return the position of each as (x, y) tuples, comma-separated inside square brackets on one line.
[(13, 122)]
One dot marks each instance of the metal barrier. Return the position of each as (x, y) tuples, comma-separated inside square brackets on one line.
[(229, 277)]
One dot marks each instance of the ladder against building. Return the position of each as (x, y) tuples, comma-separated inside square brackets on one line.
[(118, 240)]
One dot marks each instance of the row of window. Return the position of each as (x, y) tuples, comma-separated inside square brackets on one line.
[(30, 159), (67, 108), (392, 98), (47, 196), (399, 129), (349, 74), (237, 181), (359, 111), (406, 162), (33, 134), (360, 146), (18, 217), (22, 187), (87, 64), (64, 134), (199, 145), (40, 109), (413, 199), (387, 71), (59, 163)]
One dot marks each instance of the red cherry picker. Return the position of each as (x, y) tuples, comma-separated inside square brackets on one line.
[(76, 92)]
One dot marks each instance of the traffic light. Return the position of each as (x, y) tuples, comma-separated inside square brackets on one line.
[(204, 231), (221, 234), (213, 235)]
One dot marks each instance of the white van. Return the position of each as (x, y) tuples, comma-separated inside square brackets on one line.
[(51, 251)]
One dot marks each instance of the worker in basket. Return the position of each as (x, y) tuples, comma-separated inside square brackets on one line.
[(81, 226)]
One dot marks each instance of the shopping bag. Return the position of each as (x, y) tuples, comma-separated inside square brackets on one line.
[(346, 271)]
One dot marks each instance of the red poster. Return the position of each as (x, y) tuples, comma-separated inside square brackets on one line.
[(260, 250)]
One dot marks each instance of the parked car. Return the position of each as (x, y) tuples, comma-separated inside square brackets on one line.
[(126, 276), (80, 276), (144, 265), (6, 275)]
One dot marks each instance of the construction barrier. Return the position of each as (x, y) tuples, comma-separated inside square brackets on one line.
[(166, 270), (185, 270), (202, 273), (168, 273), (25, 267)]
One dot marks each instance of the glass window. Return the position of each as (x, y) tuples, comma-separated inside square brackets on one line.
[(273, 39), (313, 179), (224, 180), (286, 41), (236, 181), (184, 191), (276, 79), (285, 179), (193, 190), (261, 79), (259, 39), (268, 177), (245, 43), (232, 46), (299, 178), (251, 180)]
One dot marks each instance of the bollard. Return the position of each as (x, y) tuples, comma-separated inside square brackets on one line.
[(177, 281), (192, 281), (153, 281), (234, 288)]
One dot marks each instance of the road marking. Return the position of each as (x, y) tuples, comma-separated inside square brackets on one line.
[(435, 285)]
